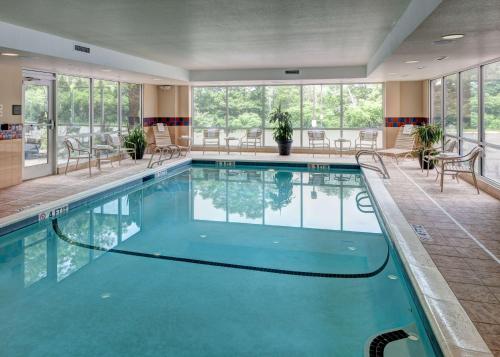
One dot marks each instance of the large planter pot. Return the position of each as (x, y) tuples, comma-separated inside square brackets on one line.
[(139, 153), (425, 165), (284, 147)]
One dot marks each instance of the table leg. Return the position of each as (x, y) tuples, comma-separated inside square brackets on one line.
[(442, 174), (98, 159), (341, 148)]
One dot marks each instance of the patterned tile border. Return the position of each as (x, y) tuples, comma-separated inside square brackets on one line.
[(168, 121), (396, 122)]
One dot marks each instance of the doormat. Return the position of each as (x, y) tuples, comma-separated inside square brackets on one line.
[(422, 233)]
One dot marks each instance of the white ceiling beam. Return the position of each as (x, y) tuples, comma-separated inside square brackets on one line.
[(416, 12), (277, 74), (27, 40)]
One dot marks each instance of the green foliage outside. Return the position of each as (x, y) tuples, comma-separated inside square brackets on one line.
[(251, 106)]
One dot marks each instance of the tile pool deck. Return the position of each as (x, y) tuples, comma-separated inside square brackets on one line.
[(464, 227)]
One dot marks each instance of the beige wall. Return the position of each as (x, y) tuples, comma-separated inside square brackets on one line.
[(404, 99), (11, 82), (167, 101), (150, 101)]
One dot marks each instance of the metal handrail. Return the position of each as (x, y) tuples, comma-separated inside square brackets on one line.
[(363, 207), (383, 171)]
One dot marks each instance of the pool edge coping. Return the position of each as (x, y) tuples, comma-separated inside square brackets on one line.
[(455, 332), (30, 215)]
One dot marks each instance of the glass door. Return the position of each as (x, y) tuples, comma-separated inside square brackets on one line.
[(38, 129)]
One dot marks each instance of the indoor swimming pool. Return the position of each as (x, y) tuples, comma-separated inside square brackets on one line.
[(211, 260)]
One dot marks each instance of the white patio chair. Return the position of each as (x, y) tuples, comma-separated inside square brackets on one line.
[(117, 141), (211, 137), (252, 138), (367, 140), (77, 151), (461, 164), (318, 139)]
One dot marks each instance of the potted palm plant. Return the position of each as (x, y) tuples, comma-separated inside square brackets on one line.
[(283, 130), (427, 135), (136, 139)]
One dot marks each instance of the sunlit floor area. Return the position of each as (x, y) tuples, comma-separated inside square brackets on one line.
[(461, 228)]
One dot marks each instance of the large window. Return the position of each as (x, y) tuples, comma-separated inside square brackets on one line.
[(451, 105), (73, 111), (105, 120), (130, 101), (342, 110), (90, 119), (462, 92), (437, 101), (469, 91)]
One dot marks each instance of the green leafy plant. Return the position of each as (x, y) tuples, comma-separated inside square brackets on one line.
[(428, 135), (283, 130), (284, 193), (136, 139)]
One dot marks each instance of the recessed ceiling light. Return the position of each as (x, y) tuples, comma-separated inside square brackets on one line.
[(411, 61), (441, 58), (10, 54), (106, 70), (453, 36)]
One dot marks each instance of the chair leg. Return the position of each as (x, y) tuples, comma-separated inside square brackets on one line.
[(67, 164), (442, 180), (475, 181), (151, 158)]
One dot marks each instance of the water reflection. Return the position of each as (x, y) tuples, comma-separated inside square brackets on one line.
[(322, 200), (34, 254)]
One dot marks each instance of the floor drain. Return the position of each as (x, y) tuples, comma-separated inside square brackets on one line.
[(422, 233)]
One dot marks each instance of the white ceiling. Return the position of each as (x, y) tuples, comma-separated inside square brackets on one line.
[(330, 41), (479, 20), (220, 34)]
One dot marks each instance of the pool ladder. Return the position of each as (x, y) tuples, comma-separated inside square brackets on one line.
[(363, 206), (381, 170)]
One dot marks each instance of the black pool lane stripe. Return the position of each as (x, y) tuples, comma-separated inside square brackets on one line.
[(65, 238), (379, 343)]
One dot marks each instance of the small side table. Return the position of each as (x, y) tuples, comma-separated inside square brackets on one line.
[(339, 145), (98, 149), (228, 141)]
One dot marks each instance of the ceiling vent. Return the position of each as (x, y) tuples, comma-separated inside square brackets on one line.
[(293, 72), (82, 49), (441, 58)]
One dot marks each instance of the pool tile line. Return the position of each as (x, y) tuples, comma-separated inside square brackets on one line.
[(470, 235), (452, 327), (379, 343), (371, 274)]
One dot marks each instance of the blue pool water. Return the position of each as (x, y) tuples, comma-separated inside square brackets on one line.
[(221, 262)]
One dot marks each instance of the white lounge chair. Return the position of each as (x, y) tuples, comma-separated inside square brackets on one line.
[(163, 145), (405, 144)]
